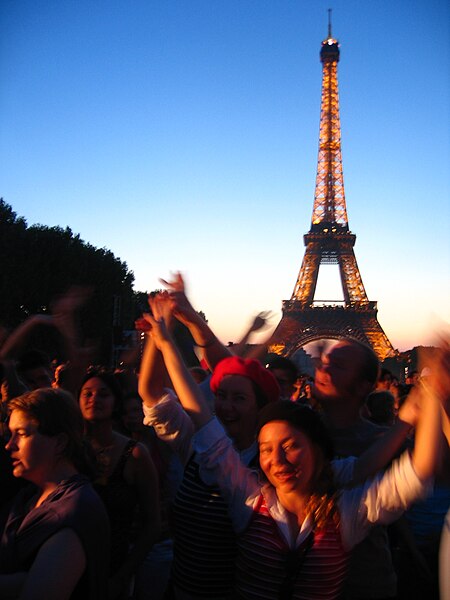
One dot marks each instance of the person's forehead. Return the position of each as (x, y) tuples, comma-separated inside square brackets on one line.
[(19, 418), (278, 431), (95, 383)]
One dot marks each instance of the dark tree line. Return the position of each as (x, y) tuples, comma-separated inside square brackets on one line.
[(38, 263)]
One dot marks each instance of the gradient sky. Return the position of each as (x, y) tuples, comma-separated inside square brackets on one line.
[(183, 135)]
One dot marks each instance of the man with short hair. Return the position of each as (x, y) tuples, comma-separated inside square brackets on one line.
[(345, 376)]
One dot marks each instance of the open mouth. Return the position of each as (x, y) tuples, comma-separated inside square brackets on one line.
[(285, 475)]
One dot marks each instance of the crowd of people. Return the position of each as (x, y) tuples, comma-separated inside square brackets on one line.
[(238, 478)]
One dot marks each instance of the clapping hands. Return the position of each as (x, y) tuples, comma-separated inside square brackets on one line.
[(157, 324)]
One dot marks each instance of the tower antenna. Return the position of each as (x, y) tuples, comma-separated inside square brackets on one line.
[(329, 23)]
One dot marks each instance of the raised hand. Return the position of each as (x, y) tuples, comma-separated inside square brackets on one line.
[(214, 351), (161, 307), (260, 320), (438, 373), (181, 307), (176, 285), (159, 319)]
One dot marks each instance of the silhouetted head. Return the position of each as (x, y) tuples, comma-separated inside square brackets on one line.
[(347, 372)]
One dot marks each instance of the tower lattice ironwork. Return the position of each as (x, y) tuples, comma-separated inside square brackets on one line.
[(329, 241)]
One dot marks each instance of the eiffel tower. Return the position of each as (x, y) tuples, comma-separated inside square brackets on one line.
[(329, 241)]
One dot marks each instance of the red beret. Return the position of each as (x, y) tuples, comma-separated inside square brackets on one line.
[(247, 367)]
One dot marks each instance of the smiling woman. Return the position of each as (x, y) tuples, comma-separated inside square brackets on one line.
[(60, 520)]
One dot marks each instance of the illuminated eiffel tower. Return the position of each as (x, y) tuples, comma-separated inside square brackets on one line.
[(329, 241)]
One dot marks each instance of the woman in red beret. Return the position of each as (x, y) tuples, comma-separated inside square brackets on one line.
[(204, 541)]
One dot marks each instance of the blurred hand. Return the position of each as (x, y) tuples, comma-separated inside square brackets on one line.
[(410, 409), (181, 307), (260, 320)]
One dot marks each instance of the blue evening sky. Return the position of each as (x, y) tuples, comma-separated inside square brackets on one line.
[(183, 135)]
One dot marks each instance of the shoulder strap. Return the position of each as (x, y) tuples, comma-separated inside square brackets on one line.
[(130, 445)]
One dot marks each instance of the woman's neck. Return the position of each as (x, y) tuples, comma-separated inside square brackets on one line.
[(296, 504), (100, 433)]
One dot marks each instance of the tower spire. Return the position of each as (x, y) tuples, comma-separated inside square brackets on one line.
[(329, 23)]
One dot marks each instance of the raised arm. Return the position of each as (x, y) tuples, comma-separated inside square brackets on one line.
[(17, 340), (64, 316), (387, 446), (185, 387), (258, 323), (212, 349), (441, 381), (152, 374), (435, 391), (428, 440), (422, 408)]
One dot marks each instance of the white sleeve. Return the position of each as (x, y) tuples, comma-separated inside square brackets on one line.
[(172, 424), (238, 484), (379, 501)]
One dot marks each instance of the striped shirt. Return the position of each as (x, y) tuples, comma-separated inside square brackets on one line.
[(204, 540), (268, 569)]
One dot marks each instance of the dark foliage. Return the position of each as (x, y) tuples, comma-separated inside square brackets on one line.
[(38, 263)]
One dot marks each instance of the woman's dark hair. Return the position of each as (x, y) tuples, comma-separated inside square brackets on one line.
[(55, 411), (303, 418)]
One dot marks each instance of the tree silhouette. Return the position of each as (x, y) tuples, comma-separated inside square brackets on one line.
[(38, 263)]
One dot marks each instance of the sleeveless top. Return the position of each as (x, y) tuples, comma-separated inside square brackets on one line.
[(74, 505), (268, 569), (204, 540), (120, 499)]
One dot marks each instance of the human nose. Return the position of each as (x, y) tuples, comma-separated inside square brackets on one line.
[(225, 402), (278, 455), (11, 443)]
